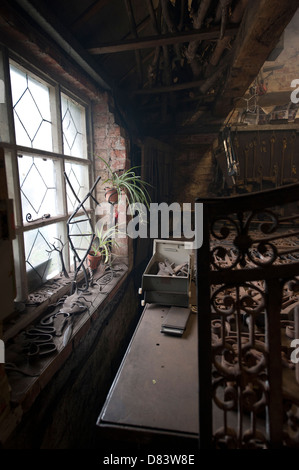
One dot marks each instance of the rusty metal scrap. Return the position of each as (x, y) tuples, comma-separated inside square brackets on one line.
[(165, 268), (248, 303), (253, 293)]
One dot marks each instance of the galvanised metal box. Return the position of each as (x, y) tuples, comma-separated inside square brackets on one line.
[(168, 290)]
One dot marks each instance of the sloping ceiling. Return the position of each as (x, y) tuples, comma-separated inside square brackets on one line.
[(175, 66)]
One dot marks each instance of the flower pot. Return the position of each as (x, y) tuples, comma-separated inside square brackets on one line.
[(115, 212), (111, 195), (93, 261)]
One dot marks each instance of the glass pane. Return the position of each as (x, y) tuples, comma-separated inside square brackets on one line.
[(81, 235), (74, 128), (38, 187), (78, 178), (31, 106), (42, 261)]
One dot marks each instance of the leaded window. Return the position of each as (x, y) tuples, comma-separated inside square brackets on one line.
[(47, 139)]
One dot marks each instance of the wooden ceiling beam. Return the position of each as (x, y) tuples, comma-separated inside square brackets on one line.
[(161, 40), (261, 28), (135, 34), (175, 130), (90, 12), (168, 88), (203, 85)]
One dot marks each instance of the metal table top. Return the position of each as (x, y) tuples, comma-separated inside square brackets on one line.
[(156, 387)]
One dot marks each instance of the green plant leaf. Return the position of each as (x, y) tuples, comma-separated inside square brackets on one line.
[(132, 185)]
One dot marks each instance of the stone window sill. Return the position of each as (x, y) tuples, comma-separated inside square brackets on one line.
[(25, 389)]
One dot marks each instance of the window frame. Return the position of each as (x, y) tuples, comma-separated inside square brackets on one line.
[(12, 150)]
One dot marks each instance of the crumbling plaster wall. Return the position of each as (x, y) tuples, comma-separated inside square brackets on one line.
[(111, 143)]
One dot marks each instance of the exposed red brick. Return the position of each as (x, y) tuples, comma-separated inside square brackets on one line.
[(100, 108)]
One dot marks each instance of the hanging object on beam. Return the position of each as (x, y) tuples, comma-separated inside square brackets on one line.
[(231, 159)]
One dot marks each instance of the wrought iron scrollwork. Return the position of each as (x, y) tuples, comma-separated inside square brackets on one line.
[(30, 220), (248, 304), (291, 425), (79, 260), (240, 361), (240, 246)]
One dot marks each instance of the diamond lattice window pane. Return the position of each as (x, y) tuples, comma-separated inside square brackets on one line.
[(81, 236), (41, 262), (78, 177), (74, 128), (42, 137), (18, 83), (40, 94), (38, 186), (23, 107), (31, 107), (22, 136)]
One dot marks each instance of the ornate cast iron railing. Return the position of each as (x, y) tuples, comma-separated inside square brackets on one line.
[(247, 272)]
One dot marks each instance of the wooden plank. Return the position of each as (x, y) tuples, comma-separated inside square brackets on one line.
[(288, 126), (169, 88), (89, 13), (20, 149), (262, 26), (161, 40), (135, 34)]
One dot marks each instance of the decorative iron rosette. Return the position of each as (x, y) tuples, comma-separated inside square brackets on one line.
[(240, 244)]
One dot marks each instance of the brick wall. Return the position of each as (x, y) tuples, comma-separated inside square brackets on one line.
[(109, 140), (111, 144), (192, 174)]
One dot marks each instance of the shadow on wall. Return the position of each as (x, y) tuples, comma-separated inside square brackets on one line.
[(192, 175)]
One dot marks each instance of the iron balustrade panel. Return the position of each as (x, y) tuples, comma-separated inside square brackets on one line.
[(247, 284)]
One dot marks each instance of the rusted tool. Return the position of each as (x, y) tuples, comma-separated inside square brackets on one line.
[(39, 348), (68, 332), (10, 367), (169, 269)]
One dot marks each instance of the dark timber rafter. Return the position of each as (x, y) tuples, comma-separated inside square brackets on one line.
[(91, 11), (135, 34), (257, 37), (162, 40)]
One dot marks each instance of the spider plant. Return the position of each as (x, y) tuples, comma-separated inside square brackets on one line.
[(103, 242), (127, 183)]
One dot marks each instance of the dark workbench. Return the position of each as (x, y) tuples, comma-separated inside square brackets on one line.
[(155, 392)]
